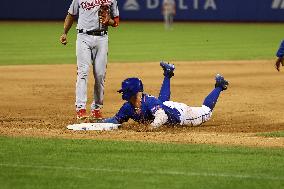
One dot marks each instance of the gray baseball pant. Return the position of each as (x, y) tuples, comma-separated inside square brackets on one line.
[(91, 50)]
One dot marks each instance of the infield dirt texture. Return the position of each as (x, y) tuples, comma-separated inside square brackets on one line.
[(37, 91), (247, 107)]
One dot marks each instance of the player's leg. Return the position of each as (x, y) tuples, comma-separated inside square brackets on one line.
[(167, 21), (221, 84), (195, 116), (171, 20), (211, 100), (99, 70), (165, 92), (83, 54)]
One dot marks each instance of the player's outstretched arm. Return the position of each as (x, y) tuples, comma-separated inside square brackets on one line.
[(110, 120), (160, 118), (280, 54), (122, 116), (67, 25)]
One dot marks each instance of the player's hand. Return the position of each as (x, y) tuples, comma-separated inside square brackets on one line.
[(104, 14), (279, 62), (63, 39), (104, 19)]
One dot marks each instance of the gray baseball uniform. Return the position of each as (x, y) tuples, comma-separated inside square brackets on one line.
[(91, 48)]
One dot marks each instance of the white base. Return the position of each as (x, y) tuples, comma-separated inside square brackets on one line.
[(93, 127)]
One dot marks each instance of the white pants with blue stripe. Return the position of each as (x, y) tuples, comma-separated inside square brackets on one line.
[(192, 116)]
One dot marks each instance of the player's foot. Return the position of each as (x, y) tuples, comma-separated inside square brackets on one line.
[(96, 114), (168, 69), (81, 114), (221, 82)]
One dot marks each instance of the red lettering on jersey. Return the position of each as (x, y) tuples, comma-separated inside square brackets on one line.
[(95, 3)]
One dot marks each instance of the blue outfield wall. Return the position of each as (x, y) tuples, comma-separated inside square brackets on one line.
[(187, 10)]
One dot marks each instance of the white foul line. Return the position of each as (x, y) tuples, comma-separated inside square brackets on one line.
[(165, 172)]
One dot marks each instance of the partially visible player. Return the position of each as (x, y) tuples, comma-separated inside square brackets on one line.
[(144, 108), (280, 54), (169, 11)]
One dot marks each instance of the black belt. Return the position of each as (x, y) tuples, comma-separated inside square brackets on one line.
[(93, 32)]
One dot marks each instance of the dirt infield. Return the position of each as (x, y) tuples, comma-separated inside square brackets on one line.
[(39, 101)]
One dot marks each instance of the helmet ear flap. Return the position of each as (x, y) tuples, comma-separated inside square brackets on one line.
[(125, 96), (141, 86)]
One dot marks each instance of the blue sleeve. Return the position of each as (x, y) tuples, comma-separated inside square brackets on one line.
[(124, 113), (110, 120), (280, 52), (153, 104)]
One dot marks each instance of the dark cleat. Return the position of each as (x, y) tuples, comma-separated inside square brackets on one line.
[(221, 82), (168, 69)]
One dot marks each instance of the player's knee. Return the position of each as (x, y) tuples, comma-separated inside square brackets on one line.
[(200, 122), (206, 116), (82, 73), (100, 77)]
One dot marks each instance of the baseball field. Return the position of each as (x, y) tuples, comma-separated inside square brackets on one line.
[(241, 147)]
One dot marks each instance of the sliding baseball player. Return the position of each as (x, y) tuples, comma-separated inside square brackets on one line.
[(147, 109)]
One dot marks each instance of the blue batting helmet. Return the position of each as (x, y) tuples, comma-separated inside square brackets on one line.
[(130, 87)]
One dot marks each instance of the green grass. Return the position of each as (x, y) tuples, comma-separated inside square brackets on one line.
[(272, 134), (57, 163), (37, 43)]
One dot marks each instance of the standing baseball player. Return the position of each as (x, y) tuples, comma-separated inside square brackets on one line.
[(144, 108), (169, 11), (94, 17), (280, 54)]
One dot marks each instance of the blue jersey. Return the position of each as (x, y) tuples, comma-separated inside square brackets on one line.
[(280, 52), (149, 106)]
